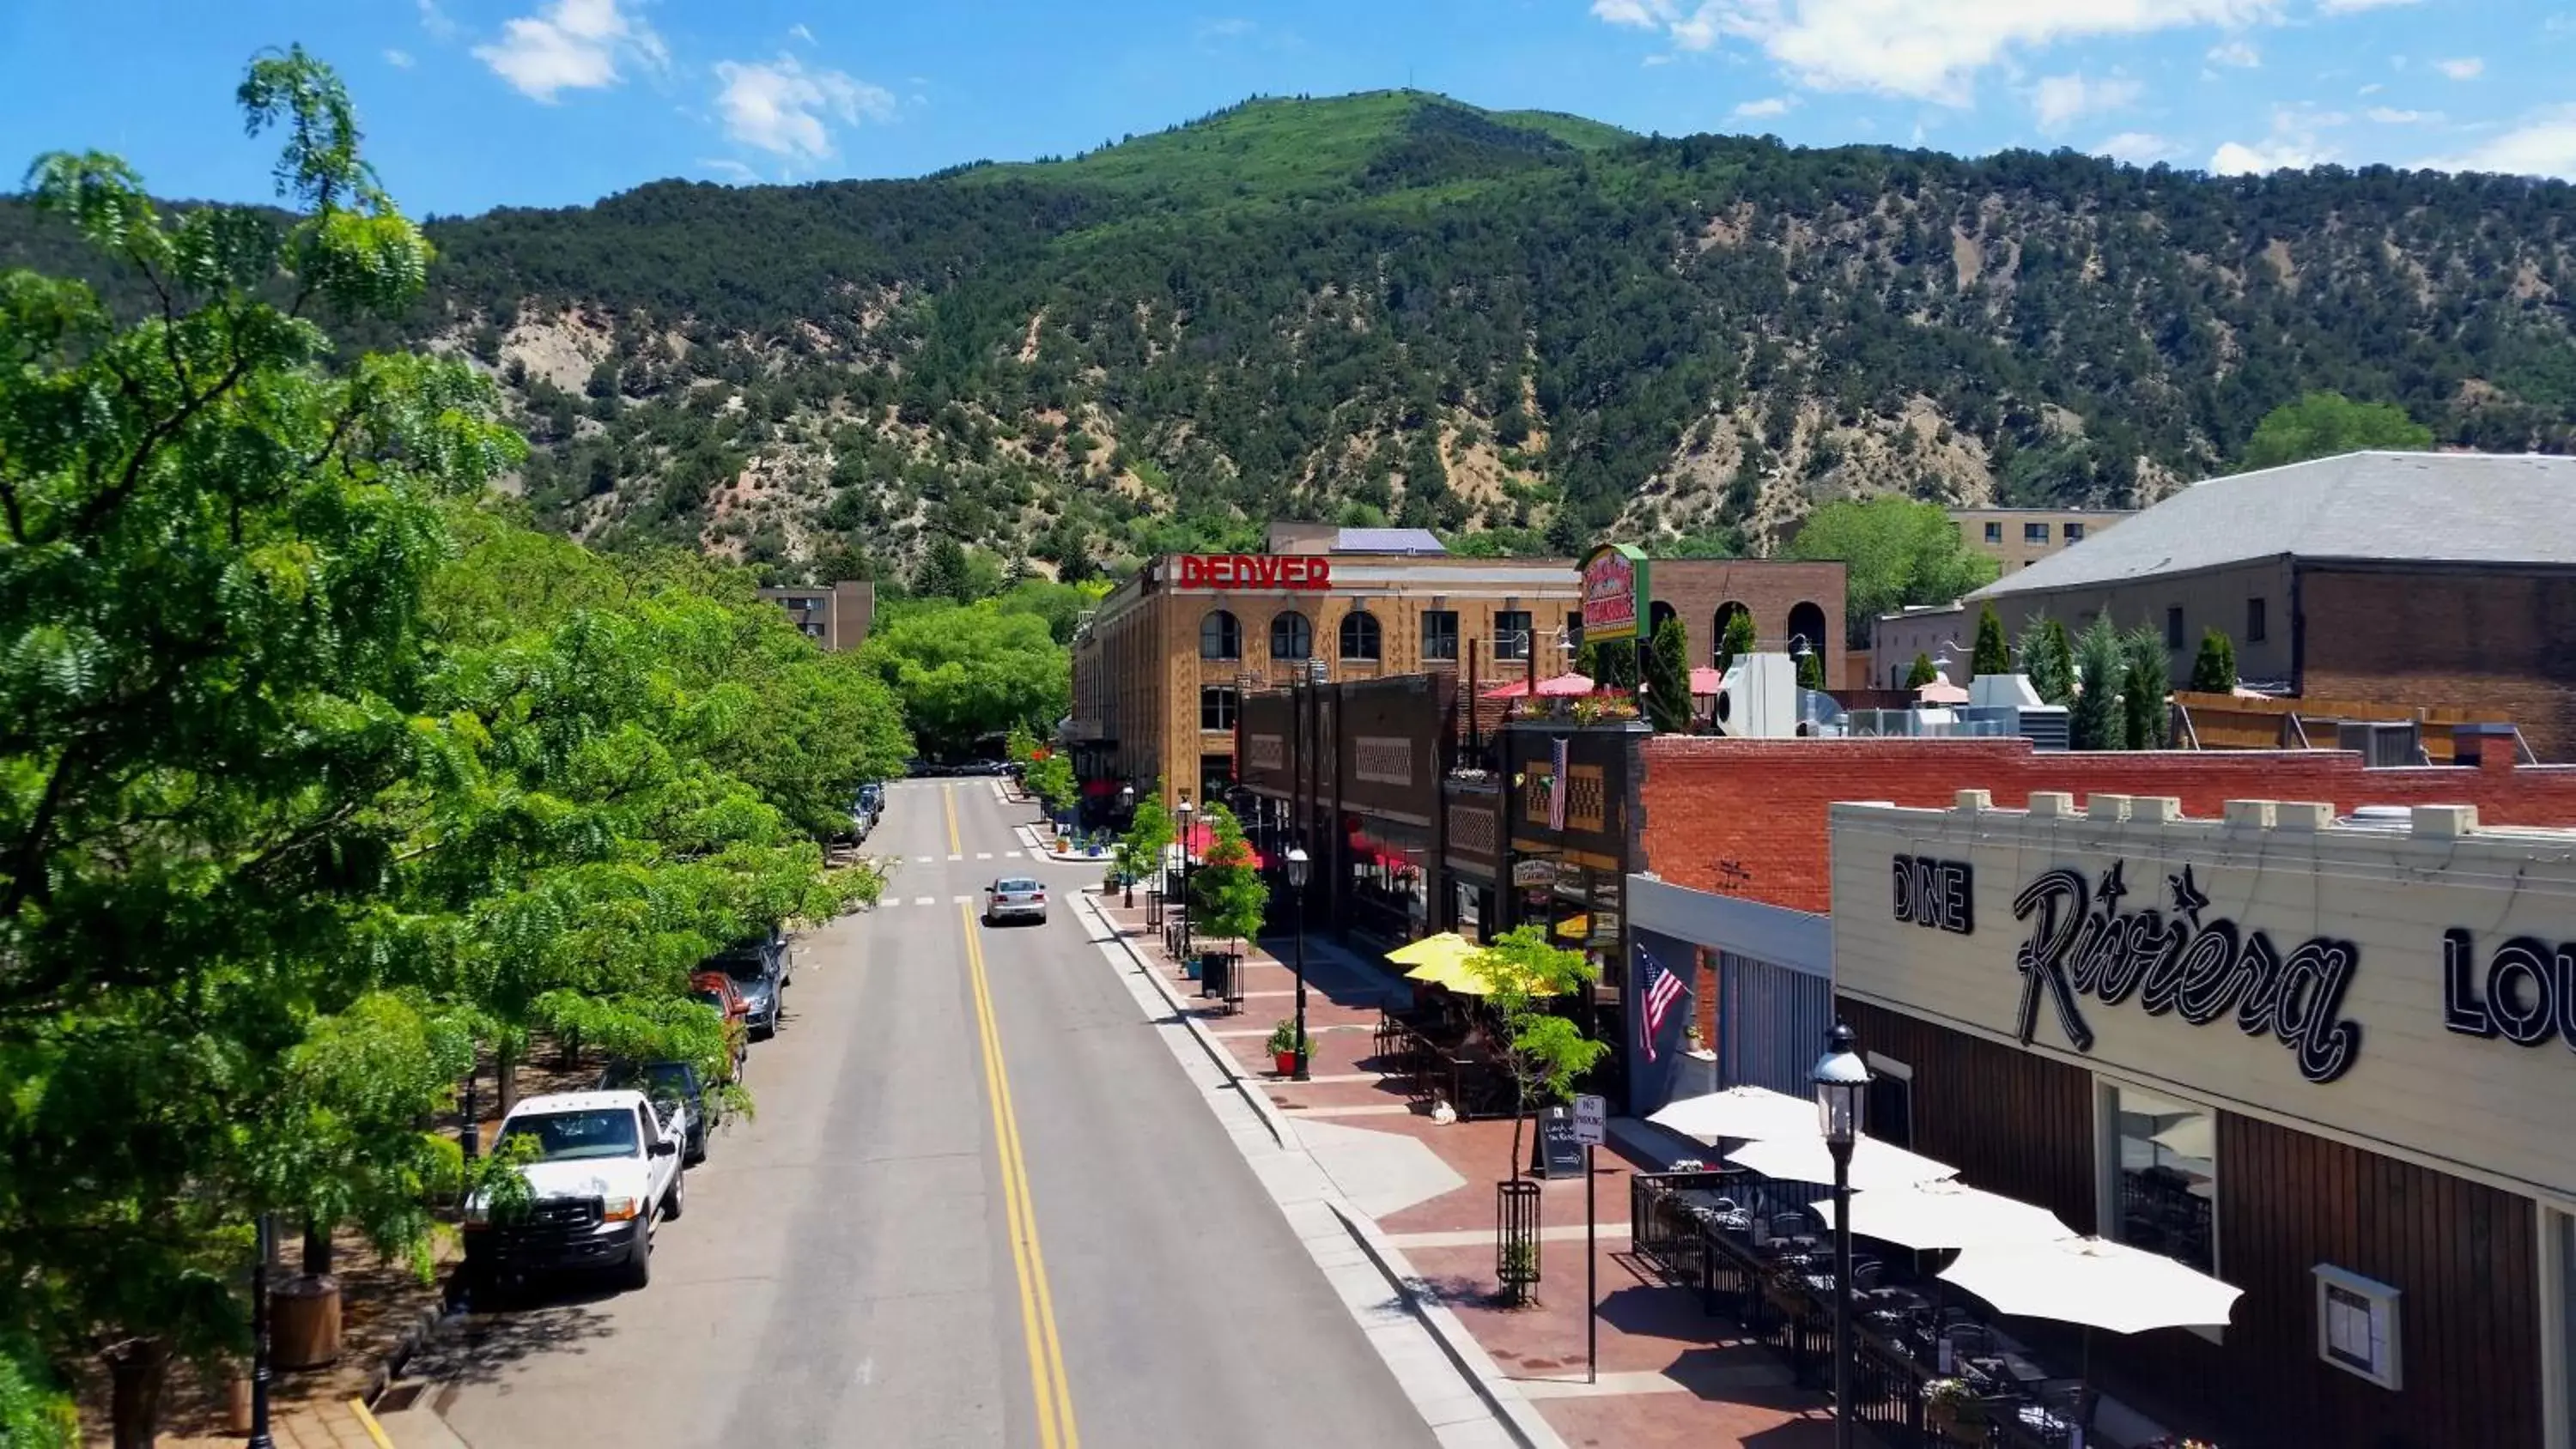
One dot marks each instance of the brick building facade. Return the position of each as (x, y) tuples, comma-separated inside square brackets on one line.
[(2502, 647), (1786, 599)]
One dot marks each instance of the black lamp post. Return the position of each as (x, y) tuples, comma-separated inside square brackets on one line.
[(259, 1435), (1297, 869), (1841, 1079), (1183, 812), (1127, 877)]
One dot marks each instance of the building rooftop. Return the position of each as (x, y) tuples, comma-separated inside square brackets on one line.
[(2462, 508), (1388, 540)]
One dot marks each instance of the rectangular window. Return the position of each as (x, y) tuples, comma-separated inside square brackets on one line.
[(2034, 533), (1994, 531), (2074, 532), (2164, 1175), (2173, 627), (1573, 638), (1889, 1113), (1440, 635), (1512, 634), (2253, 621), (1216, 707)]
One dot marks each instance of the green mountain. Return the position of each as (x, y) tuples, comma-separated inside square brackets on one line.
[(1521, 326)]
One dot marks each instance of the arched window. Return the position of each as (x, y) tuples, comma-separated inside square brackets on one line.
[(1220, 637), (1808, 619), (1291, 636), (1361, 638), (1727, 614)]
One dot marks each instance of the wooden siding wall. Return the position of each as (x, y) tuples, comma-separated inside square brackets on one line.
[(2463, 1255)]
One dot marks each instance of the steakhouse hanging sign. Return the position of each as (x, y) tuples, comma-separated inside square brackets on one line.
[(2197, 967)]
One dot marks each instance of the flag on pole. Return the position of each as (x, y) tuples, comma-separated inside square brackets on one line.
[(1556, 787), (1663, 988)]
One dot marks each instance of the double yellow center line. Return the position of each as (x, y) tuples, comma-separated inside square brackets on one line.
[(1037, 1303), (948, 797)]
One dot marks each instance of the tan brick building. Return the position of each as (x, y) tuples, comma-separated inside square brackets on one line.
[(2016, 538), (1161, 668), (2439, 579)]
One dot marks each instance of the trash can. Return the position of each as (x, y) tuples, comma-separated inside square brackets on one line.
[(304, 1322)]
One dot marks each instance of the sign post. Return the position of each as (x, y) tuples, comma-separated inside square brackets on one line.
[(1591, 1117)]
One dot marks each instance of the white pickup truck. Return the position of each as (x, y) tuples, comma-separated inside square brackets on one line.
[(604, 1166)]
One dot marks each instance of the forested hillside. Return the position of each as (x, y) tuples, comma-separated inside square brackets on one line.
[(1521, 325)]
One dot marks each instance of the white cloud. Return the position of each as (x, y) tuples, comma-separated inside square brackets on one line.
[(799, 32), (1767, 106), (2543, 144), (2467, 67), (2371, 89), (398, 59), (730, 170), (783, 108), (2346, 7), (2059, 99), (2391, 116), (571, 45), (436, 22), (2292, 144), (2138, 148), (1927, 49), (1659, 57), (2238, 53)]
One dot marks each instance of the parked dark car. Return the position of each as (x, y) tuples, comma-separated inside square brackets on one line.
[(758, 969), (666, 1082)]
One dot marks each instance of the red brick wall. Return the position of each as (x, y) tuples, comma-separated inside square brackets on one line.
[(1748, 817), (2500, 646), (1770, 588)]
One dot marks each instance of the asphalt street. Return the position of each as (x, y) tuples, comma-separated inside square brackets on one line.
[(908, 1247)]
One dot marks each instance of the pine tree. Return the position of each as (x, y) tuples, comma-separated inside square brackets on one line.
[(2048, 658), (1922, 673), (1668, 679), (2093, 720), (1738, 640), (2213, 670), (1811, 669), (1992, 655), (2146, 678)]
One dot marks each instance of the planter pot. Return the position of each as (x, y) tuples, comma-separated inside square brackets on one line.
[(1948, 1424), (1190, 969), (304, 1322), (1286, 1062)]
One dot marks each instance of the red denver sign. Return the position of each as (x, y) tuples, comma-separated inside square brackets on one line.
[(1311, 573)]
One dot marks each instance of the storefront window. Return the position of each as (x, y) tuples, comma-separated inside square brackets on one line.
[(2166, 1171)]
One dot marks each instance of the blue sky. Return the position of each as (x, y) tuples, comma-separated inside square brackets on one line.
[(478, 103)]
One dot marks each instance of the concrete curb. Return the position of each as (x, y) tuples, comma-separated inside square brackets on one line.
[(1247, 1087), (1524, 1422), (382, 1376), (1037, 847)]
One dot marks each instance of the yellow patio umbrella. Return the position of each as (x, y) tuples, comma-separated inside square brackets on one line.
[(1433, 950), (1445, 960)]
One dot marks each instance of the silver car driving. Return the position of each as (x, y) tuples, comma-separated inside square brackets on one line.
[(1015, 898)]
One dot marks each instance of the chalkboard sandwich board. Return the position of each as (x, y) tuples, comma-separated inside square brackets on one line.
[(1557, 1152)]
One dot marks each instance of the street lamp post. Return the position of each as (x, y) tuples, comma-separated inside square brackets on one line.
[(1183, 812), (259, 1435), (1297, 868), (1127, 877), (1841, 1080)]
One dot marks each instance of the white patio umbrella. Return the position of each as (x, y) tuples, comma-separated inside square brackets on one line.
[(2094, 1282), (2194, 1136), (1753, 1114), (1931, 1216), (1874, 1164)]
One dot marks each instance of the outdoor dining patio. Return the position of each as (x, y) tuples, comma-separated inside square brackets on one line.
[(1933, 1362)]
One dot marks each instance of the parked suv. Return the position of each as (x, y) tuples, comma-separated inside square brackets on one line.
[(604, 1166)]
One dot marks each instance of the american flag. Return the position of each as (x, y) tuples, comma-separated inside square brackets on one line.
[(1663, 988), (1556, 788)]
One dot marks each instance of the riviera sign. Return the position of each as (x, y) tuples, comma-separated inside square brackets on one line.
[(2082, 944), (1306, 573)]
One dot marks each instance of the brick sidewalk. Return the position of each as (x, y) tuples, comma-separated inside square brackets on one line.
[(317, 1423), (1669, 1374)]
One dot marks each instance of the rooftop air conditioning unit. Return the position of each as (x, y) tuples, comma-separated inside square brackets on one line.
[(2044, 725), (1758, 698), (2382, 744)]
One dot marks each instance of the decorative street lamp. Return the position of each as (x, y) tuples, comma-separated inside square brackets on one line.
[(267, 1238), (1841, 1079), (1297, 872), (1127, 877), (1183, 812)]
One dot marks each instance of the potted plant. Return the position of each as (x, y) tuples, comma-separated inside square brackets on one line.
[(1952, 1410), (1284, 1045)]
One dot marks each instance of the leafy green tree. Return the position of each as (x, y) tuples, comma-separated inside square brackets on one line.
[(2094, 721), (966, 673), (2213, 669), (2323, 424), (2048, 659), (1668, 705), (2146, 682), (1738, 640), (944, 573), (1527, 977), (1149, 835), (1050, 778), (1991, 655), (1922, 673), (212, 554), (1227, 896), (1895, 552), (1609, 663)]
